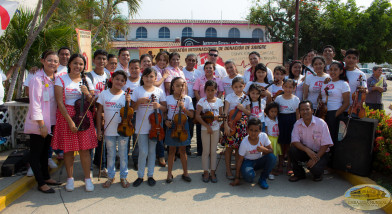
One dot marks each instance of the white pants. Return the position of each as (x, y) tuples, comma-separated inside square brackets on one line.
[(209, 148)]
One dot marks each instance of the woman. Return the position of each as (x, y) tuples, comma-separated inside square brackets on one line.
[(313, 84), (249, 74), (174, 71), (41, 119), (67, 137), (295, 74)]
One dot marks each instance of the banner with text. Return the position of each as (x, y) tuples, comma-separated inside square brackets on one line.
[(84, 42), (271, 53)]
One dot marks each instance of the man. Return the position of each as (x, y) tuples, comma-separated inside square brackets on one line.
[(64, 55), (111, 65), (310, 142), (353, 73), (123, 58), (328, 54), (213, 56), (377, 86)]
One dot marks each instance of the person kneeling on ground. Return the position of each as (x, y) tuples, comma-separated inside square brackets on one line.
[(255, 153), (310, 141)]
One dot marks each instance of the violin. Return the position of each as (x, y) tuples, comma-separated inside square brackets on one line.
[(81, 120), (358, 98), (322, 108), (155, 119), (209, 117), (179, 121), (234, 116), (277, 94), (126, 113)]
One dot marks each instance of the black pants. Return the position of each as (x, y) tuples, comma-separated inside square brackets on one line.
[(39, 147), (298, 156), (375, 106), (333, 124)]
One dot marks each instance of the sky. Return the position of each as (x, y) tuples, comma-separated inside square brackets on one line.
[(200, 9)]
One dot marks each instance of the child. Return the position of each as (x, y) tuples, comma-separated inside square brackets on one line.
[(279, 75), (351, 59), (260, 77), (133, 81), (257, 103), (227, 80), (272, 130), (377, 86), (142, 103), (210, 132), (237, 100), (111, 101), (175, 102), (255, 153), (288, 115)]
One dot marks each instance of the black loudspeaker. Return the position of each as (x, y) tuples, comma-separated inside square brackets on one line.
[(16, 161), (354, 153)]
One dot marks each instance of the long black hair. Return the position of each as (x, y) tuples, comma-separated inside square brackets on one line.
[(147, 72), (262, 67), (343, 75), (256, 87), (291, 75), (74, 56), (172, 83)]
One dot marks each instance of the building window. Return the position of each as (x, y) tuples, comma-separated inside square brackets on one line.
[(234, 33), (258, 34), (141, 32), (164, 32), (211, 32), (119, 35), (187, 32)]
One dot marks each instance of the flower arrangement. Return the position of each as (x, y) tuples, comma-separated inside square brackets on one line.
[(382, 159)]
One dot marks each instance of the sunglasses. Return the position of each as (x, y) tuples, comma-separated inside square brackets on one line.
[(214, 55)]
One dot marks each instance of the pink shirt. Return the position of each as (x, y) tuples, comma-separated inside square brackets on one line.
[(42, 103), (174, 73), (201, 81), (313, 136)]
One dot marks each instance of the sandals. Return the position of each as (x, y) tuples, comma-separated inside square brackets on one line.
[(124, 183), (108, 183), (295, 178), (169, 180), (290, 172)]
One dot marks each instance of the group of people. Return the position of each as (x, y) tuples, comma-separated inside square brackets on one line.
[(265, 117)]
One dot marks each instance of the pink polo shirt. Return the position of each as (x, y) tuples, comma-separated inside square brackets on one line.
[(174, 73), (201, 81), (313, 136)]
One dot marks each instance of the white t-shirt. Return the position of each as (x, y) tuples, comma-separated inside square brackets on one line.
[(270, 76), (353, 82), (62, 70), (249, 151), (258, 111), (272, 127), (173, 108), (139, 92), (287, 106), (220, 71), (335, 94), (299, 89), (3, 78), (315, 84), (214, 107), (131, 85), (190, 77), (111, 104), (234, 100), (274, 89), (72, 89), (227, 82), (99, 82), (28, 79), (248, 84)]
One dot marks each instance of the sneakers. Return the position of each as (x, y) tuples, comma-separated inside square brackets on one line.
[(271, 177), (51, 163), (89, 185), (69, 187), (263, 184), (29, 172)]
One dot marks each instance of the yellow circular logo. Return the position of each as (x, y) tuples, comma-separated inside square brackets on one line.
[(367, 197)]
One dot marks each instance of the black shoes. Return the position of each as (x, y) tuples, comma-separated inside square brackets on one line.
[(46, 191), (137, 182), (151, 182)]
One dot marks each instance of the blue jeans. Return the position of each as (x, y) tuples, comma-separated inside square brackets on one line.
[(249, 167), (111, 142), (146, 148)]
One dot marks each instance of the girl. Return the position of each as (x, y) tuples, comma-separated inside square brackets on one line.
[(68, 89), (255, 153), (257, 103), (210, 132), (175, 102), (254, 60), (144, 107), (260, 77), (161, 60), (174, 71), (338, 97), (272, 130), (238, 99), (111, 101), (288, 115), (41, 119), (313, 84), (227, 80), (295, 74), (145, 61), (279, 75)]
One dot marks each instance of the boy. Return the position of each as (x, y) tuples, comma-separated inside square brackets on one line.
[(377, 86), (351, 59)]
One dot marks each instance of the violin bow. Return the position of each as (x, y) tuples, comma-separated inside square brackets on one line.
[(144, 117), (100, 162)]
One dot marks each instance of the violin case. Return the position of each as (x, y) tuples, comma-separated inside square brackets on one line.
[(355, 152)]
